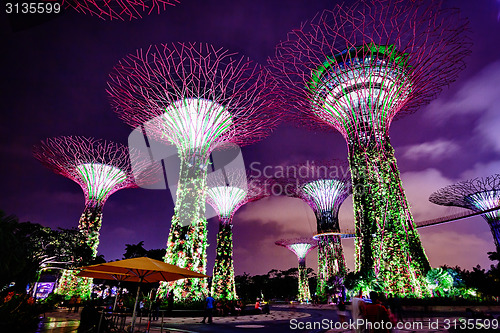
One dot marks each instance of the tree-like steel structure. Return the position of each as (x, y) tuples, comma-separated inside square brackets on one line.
[(100, 168), (324, 187), (197, 98), (226, 194), (354, 69), (301, 247), (118, 9), (479, 194)]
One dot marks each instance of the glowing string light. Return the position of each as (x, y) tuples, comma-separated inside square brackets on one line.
[(100, 179)]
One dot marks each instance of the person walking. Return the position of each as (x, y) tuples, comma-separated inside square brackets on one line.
[(209, 308)]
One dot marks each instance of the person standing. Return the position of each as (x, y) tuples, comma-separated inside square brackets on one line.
[(358, 308), (209, 308), (170, 302), (78, 302), (341, 312), (375, 312), (156, 309), (71, 303)]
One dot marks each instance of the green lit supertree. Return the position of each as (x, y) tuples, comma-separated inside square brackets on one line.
[(197, 98), (479, 195), (226, 193), (354, 69), (324, 187), (100, 168), (301, 247)]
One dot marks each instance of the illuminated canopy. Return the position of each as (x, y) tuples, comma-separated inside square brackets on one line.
[(327, 194), (195, 124), (100, 179), (225, 199), (360, 88), (300, 249), (486, 200)]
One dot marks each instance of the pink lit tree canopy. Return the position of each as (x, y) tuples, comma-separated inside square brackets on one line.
[(198, 98), (100, 168), (118, 9)]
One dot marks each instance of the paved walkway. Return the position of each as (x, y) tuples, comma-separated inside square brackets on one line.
[(283, 318), (62, 321)]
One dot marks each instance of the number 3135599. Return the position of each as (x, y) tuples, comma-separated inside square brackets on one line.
[(32, 8)]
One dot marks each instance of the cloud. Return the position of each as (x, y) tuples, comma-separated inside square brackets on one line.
[(479, 96), (294, 217), (419, 186), (479, 93), (434, 150), (481, 170), (441, 242)]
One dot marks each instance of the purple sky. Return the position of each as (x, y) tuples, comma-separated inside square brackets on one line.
[(53, 83)]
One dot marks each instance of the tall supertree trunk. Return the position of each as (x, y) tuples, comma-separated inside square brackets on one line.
[(90, 224), (187, 240), (387, 242), (223, 285), (331, 261), (304, 292)]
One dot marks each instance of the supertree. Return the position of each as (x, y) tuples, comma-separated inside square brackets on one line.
[(301, 247), (226, 194), (100, 168), (354, 69), (197, 98), (118, 9), (324, 187), (479, 194)]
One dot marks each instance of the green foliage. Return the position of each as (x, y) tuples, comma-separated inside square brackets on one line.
[(135, 250), (439, 280), (28, 248), (18, 313), (365, 281)]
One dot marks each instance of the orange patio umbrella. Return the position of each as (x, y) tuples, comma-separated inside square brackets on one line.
[(142, 270)]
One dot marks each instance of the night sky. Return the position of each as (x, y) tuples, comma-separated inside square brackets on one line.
[(53, 83)]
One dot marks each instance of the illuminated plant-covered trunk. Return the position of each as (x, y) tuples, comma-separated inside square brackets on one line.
[(89, 224), (223, 285), (387, 242), (71, 285), (331, 261), (304, 293), (187, 240)]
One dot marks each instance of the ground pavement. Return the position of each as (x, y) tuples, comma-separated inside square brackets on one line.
[(283, 318)]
